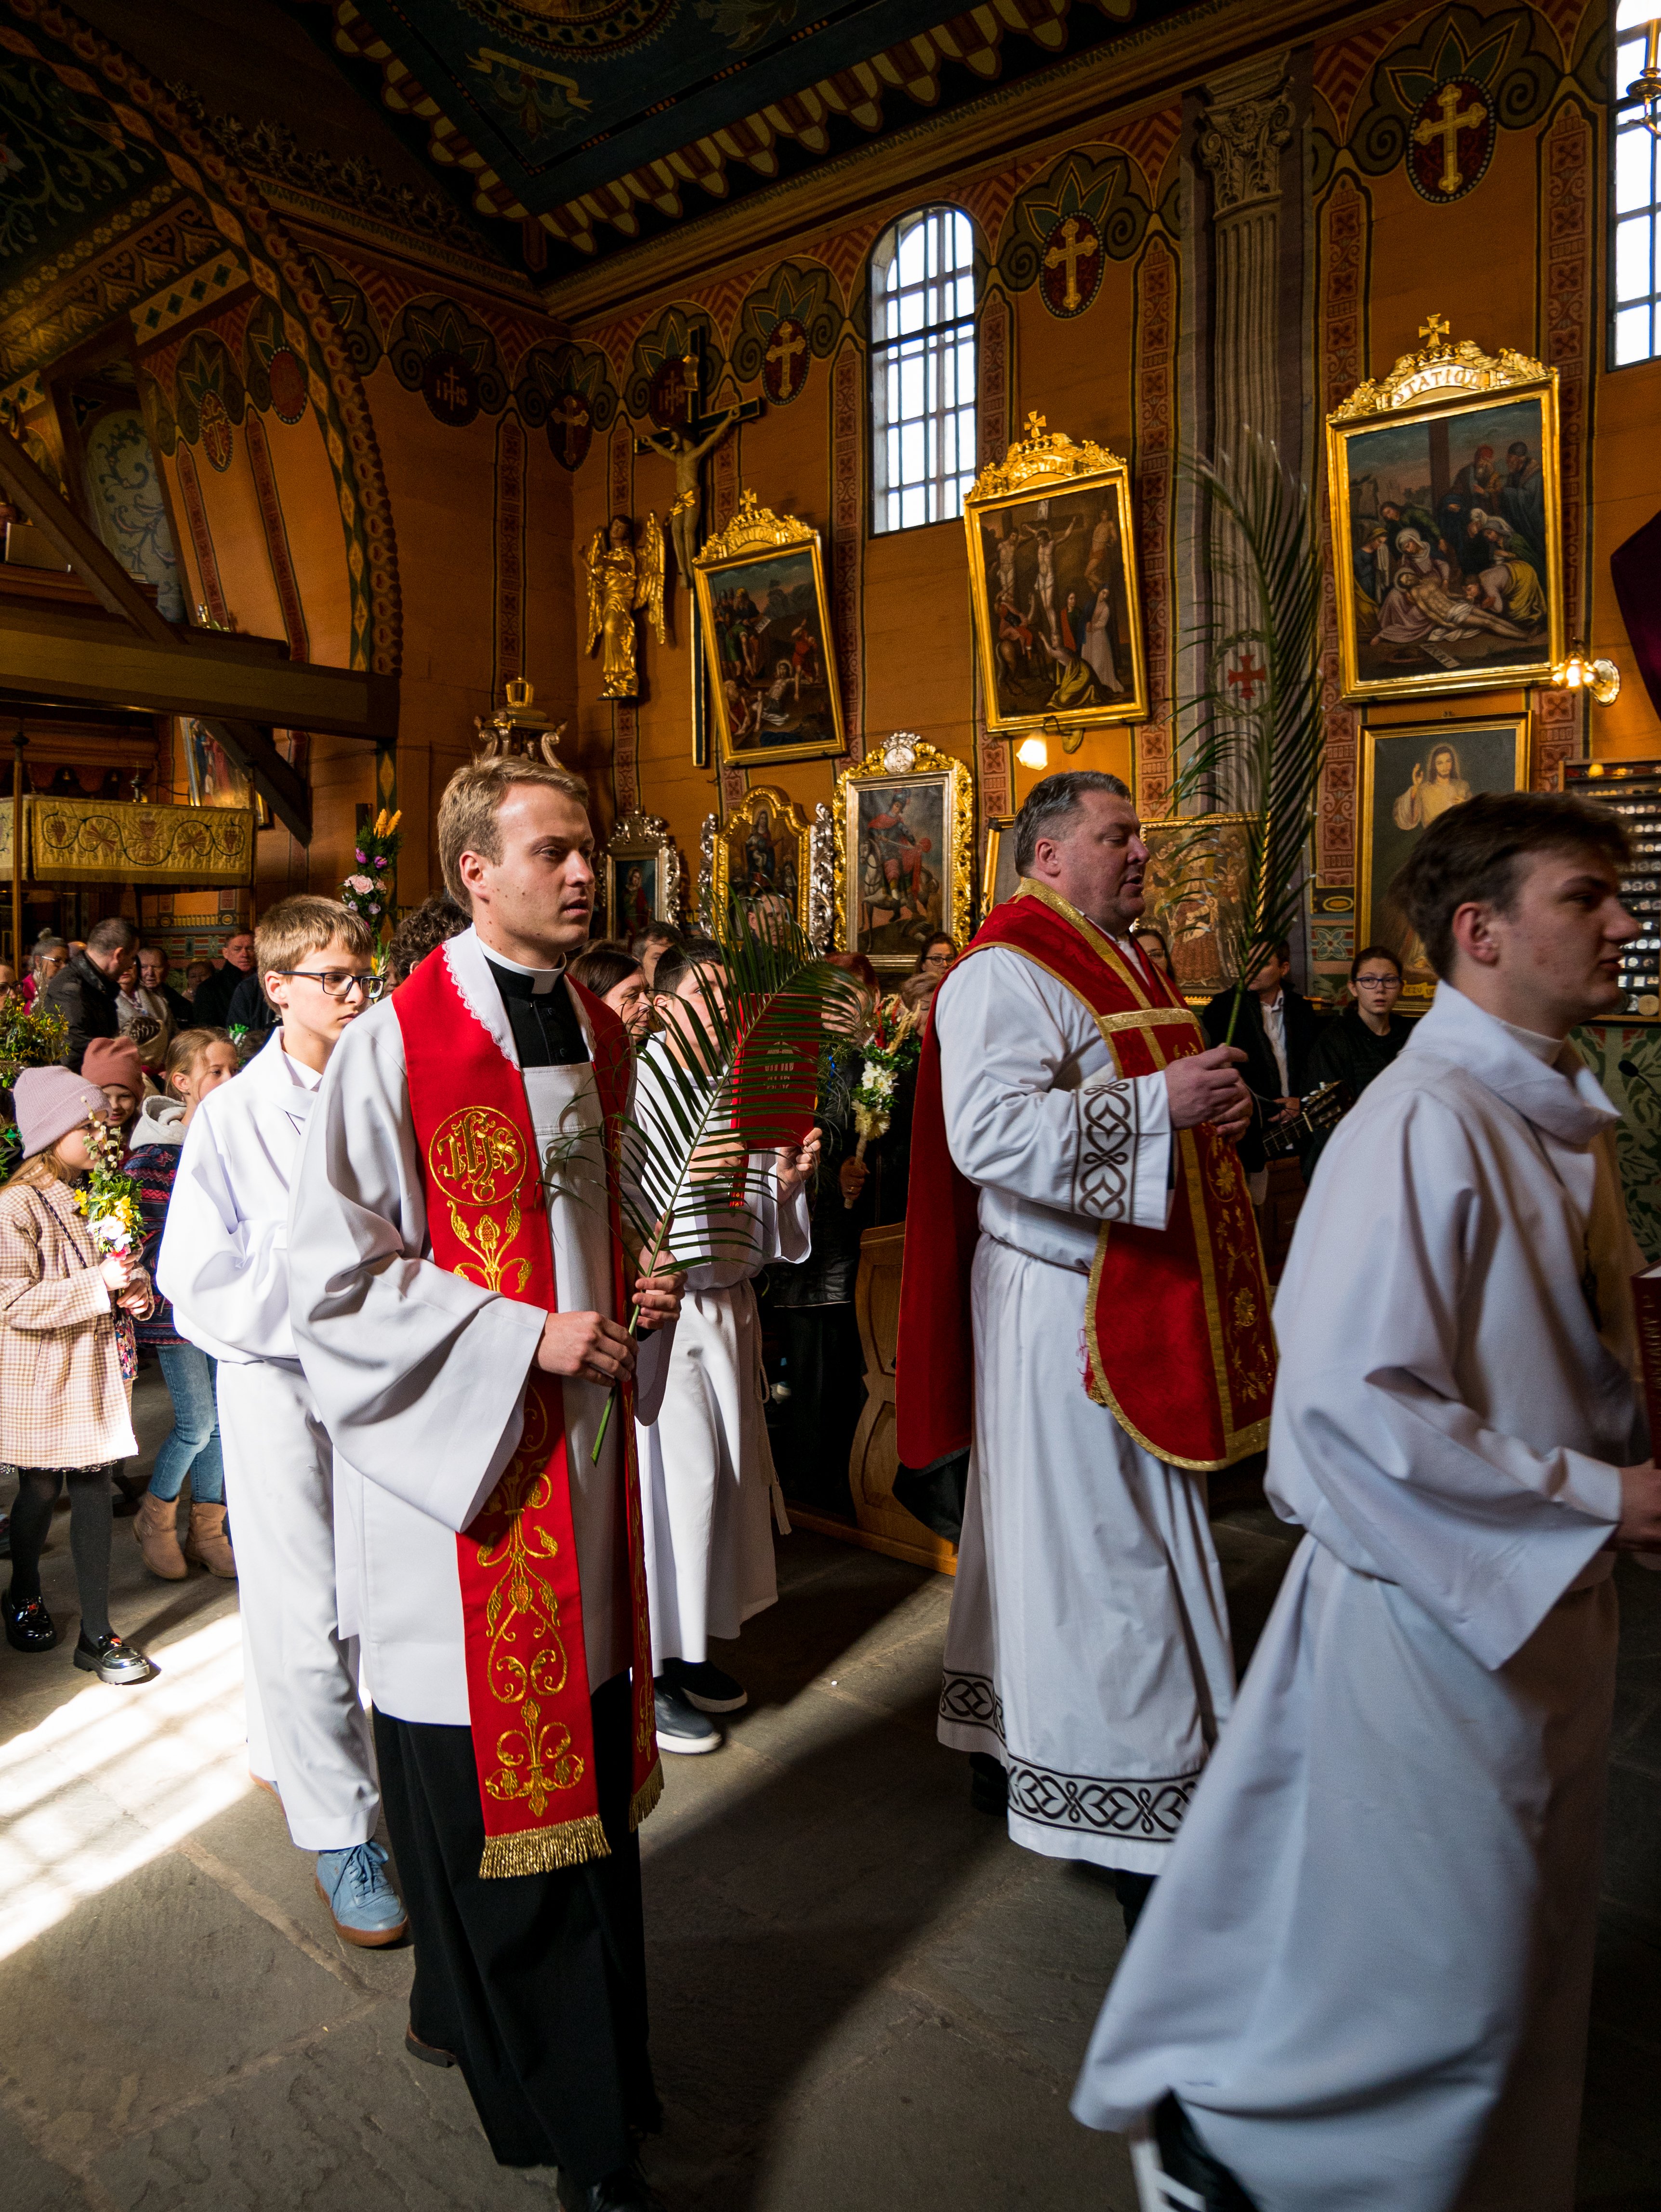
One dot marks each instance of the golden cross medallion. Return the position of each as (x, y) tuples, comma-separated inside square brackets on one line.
[(1435, 329), (1454, 121)]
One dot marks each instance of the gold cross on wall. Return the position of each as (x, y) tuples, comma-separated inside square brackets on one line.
[(1447, 130), (785, 345), (1067, 255)]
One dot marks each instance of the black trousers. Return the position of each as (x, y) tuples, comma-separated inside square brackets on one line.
[(535, 1982)]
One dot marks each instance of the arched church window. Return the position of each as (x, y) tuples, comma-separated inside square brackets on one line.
[(1635, 193), (923, 368)]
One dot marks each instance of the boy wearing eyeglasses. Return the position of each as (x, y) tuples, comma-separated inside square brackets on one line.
[(224, 1264)]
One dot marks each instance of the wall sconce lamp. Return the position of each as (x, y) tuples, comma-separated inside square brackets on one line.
[(1032, 752), (1600, 678), (1645, 86)]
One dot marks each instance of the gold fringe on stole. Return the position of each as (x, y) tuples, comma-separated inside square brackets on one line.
[(545, 1850), (645, 1797)]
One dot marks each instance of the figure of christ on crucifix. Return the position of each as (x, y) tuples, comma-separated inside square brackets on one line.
[(677, 446)]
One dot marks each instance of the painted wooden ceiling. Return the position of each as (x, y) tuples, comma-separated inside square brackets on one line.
[(598, 124)]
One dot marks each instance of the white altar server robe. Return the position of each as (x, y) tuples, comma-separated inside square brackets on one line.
[(1088, 1644), (1367, 1971), (708, 1485), (420, 1374)]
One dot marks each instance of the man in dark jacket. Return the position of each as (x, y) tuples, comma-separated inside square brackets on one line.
[(250, 1009), (85, 991), (1276, 1029), (153, 976), (212, 1003)]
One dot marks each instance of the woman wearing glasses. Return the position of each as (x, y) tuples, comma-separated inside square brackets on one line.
[(1364, 1040), (225, 1262)]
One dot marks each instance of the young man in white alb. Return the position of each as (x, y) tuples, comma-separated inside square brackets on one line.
[(224, 1262)]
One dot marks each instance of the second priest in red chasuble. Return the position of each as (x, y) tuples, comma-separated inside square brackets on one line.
[(1084, 1306)]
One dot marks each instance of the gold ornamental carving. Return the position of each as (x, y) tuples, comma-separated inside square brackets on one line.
[(1439, 367), (1042, 457), (754, 528)]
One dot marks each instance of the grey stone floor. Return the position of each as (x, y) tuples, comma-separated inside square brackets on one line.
[(862, 1993)]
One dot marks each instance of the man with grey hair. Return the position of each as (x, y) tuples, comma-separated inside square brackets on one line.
[(85, 991), (1077, 1206)]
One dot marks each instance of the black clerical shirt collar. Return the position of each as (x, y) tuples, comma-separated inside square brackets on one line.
[(543, 1021)]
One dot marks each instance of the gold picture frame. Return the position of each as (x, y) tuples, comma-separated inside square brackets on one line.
[(1058, 624), (1196, 889), (640, 875), (764, 849), (1400, 776), (998, 878), (1448, 566), (768, 645), (904, 826)]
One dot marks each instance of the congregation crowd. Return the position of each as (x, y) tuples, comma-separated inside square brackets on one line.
[(319, 1146)]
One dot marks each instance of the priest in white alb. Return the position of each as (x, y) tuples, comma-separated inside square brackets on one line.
[(1365, 1979), (459, 1289), (1084, 1297)]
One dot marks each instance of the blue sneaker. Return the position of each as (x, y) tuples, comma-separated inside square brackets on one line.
[(362, 1904)]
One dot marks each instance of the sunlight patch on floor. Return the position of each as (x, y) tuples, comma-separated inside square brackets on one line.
[(116, 1777)]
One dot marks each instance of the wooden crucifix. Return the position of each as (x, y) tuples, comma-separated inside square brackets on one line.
[(686, 436)]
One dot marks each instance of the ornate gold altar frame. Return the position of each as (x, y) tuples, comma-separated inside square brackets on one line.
[(904, 818), (640, 842), (1047, 484), (763, 847), (759, 552), (1436, 388)]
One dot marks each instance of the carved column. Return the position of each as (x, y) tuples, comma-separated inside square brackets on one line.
[(1242, 124)]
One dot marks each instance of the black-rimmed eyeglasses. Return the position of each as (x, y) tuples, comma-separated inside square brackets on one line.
[(339, 982)]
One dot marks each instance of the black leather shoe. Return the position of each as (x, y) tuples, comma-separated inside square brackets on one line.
[(989, 1784), (624, 2191), (428, 2053), (112, 1659), (28, 1625), (1185, 2159)]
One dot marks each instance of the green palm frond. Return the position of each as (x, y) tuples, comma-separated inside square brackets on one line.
[(745, 1085), (1267, 755)]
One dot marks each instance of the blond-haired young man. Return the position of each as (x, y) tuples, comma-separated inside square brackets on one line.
[(225, 1262), (459, 1296)]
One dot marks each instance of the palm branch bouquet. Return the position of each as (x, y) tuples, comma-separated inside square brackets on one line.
[(891, 1048), (1269, 756), (29, 1038), (738, 1076), (108, 1200)]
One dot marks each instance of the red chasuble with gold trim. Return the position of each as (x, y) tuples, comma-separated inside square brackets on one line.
[(521, 1599), (1177, 1320)]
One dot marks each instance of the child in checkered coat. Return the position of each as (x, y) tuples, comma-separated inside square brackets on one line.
[(67, 1361)]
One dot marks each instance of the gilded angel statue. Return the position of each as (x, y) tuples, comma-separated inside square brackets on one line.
[(620, 580)]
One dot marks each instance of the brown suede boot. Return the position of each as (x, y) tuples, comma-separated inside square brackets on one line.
[(157, 1530), (208, 1544)]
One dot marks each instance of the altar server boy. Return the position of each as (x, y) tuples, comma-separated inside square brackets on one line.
[(224, 1263), (707, 1483)]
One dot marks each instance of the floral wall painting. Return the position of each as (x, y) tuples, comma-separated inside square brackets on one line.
[(767, 637), (905, 843), (1052, 577), (125, 489), (1196, 889), (1444, 499), (1409, 777)]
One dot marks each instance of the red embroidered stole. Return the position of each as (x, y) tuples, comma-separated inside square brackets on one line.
[(1176, 1332), (521, 1599)]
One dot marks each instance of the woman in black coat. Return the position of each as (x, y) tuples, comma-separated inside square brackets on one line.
[(1366, 1036)]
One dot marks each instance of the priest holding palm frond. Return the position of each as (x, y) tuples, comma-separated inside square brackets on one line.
[(462, 1280)]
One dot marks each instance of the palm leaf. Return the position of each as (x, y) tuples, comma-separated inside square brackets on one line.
[(1269, 756)]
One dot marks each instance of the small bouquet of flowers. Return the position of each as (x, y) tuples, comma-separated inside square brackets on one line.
[(366, 889), (29, 1038), (893, 1048), (109, 1203)]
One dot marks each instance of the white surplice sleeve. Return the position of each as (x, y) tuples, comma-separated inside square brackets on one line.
[(1027, 1113), (1380, 1446), (419, 1373), (223, 1260)]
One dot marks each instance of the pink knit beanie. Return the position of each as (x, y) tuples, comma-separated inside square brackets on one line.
[(114, 1060), (49, 1102)]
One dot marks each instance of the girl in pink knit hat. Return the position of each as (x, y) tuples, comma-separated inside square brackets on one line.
[(66, 1368)]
